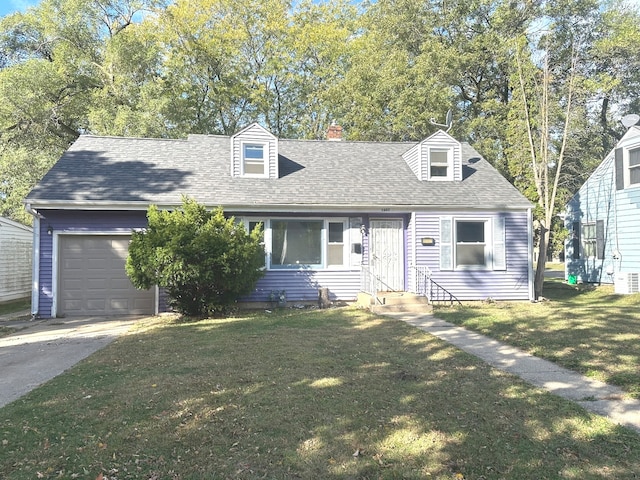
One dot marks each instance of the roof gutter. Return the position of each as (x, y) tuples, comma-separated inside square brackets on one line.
[(279, 207), (35, 260)]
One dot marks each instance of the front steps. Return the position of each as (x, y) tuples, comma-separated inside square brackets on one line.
[(395, 302)]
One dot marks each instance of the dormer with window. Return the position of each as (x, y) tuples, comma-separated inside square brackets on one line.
[(437, 158), (254, 153)]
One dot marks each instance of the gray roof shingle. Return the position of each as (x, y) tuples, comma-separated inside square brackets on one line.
[(115, 170)]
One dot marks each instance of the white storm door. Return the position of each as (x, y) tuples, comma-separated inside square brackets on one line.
[(386, 253)]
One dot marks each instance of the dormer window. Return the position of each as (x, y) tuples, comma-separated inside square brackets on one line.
[(440, 164), (254, 159), (254, 153)]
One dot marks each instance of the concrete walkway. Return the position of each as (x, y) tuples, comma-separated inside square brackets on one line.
[(592, 395)]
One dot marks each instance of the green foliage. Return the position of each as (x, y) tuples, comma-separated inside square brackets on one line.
[(383, 70), (204, 260)]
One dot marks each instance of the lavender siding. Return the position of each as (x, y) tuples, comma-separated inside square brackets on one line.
[(509, 284), (302, 285), (76, 221), (343, 284)]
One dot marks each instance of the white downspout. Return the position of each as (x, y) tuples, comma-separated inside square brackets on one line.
[(35, 262), (532, 293)]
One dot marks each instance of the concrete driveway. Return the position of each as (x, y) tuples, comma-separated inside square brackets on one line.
[(46, 348)]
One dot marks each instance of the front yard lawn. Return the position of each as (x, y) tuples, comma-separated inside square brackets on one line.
[(584, 328), (332, 394)]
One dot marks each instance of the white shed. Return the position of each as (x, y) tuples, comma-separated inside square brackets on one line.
[(16, 243)]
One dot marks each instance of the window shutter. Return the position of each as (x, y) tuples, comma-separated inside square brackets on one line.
[(619, 167), (446, 243), (576, 241), (499, 244), (600, 239)]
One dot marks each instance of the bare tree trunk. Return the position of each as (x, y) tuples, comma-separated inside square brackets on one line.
[(543, 243)]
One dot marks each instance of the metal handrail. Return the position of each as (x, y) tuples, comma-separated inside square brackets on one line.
[(372, 284), (424, 284)]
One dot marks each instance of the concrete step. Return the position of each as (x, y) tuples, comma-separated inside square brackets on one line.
[(388, 302), (421, 308)]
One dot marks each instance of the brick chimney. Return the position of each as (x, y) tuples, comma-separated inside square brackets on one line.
[(334, 133)]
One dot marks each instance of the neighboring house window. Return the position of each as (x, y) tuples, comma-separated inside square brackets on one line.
[(440, 164), (588, 236), (472, 243), (634, 166), (592, 236), (254, 159)]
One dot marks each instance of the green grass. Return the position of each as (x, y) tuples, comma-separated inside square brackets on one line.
[(332, 394), (15, 306), (587, 329)]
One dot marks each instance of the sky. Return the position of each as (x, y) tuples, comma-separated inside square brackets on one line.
[(10, 6)]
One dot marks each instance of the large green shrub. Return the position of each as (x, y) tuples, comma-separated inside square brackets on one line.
[(204, 260)]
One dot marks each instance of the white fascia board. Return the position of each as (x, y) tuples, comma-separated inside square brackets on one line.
[(277, 208)]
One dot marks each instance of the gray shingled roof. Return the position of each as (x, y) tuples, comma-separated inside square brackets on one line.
[(113, 170)]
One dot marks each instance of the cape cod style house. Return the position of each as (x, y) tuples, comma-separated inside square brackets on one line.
[(603, 219), (431, 216)]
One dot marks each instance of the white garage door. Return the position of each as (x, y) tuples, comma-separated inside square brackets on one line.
[(93, 281)]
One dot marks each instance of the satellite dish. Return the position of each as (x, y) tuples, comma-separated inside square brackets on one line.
[(448, 121), (630, 120)]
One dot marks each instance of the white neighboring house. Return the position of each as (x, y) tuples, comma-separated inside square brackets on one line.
[(16, 243)]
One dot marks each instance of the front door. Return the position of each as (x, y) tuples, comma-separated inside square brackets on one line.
[(386, 253)]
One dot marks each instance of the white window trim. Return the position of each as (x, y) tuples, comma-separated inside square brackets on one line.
[(488, 243), (449, 152), (346, 242), (495, 243), (627, 167), (265, 147), (594, 239)]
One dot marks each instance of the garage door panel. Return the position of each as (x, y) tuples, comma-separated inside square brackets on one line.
[(93, 280), (72, 264), (69, 285)]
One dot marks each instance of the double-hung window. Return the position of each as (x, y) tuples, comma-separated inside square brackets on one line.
[(471, 243), (478, 243), (592, 238), (588, 236), (254, 159), (440, 167), (634, 166)]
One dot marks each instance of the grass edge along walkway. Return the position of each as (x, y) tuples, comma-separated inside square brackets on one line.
[(593, 395)]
